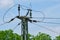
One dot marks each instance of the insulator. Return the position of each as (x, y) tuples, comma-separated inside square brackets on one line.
[(18, 7), (30, 14)]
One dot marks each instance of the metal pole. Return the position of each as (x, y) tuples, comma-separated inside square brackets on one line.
[(24, 29)]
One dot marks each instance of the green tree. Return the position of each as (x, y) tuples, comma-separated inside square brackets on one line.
[(41, 36), (9, 35), (57, 38)]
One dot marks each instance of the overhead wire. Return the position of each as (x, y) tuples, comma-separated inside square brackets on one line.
[(7, 37), (37, 21), (50, 22), (7, 12), (34, 11), (45, 18), (4, 23), (16, 26), (38, 11), (32, 17), (46, 28), (46, 22), (30, 4), (7, 22)]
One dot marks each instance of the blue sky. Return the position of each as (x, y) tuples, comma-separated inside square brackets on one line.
[(51, 8)]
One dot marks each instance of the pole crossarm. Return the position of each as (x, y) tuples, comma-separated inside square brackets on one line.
[(27, 18)]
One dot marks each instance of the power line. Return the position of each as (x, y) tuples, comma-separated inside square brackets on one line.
[(7, 22), (45, 18), (44, 22), (50, 22), (30, 4), (22, 8), (7, 37), (16, 26), (8, 11), (3, 23), (46, 28), (34, 11)]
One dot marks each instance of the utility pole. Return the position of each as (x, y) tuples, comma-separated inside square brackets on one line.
[(24, 24), (24, 27)]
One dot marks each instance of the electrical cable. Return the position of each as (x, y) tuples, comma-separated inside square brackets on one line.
[(31, 9), (8, 21), (34, 11), (24, 6), (37, 11), (8, 11), (4, 23), (46, 28), (50, 22), (30, 4), (16, 26), (43, 22), (7, 37), (45, 18)]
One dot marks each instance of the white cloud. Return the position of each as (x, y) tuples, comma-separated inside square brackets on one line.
[(6, 3)]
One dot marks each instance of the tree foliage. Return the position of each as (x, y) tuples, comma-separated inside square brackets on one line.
[(9, 35), (57, 38), (42, 36)]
